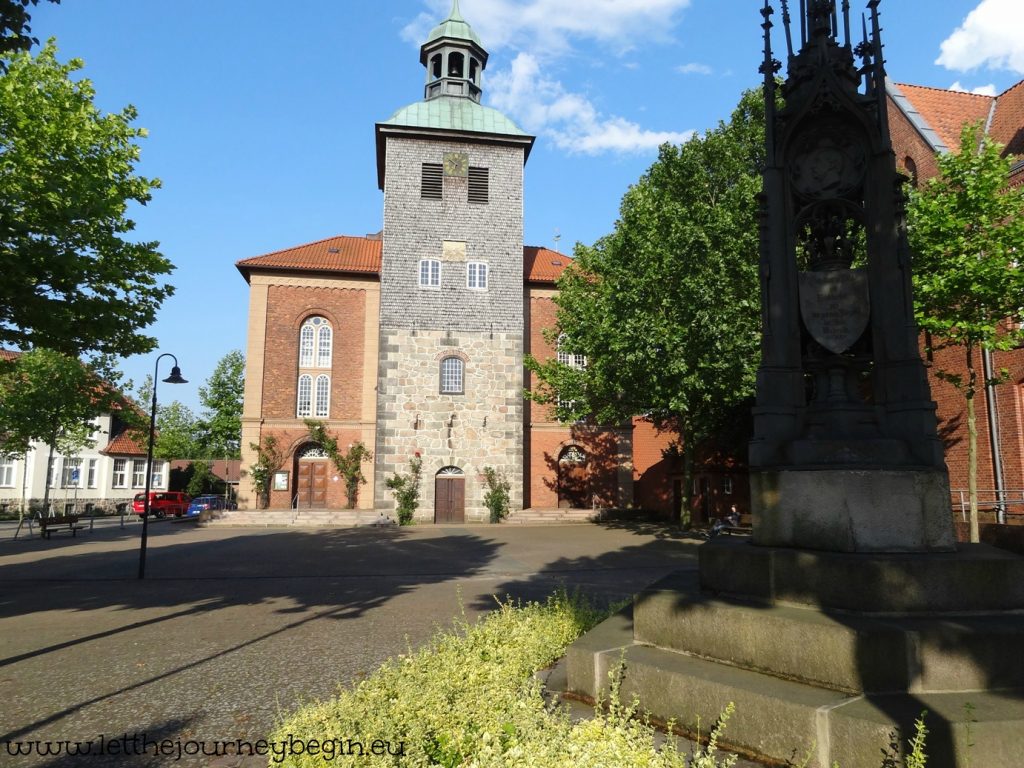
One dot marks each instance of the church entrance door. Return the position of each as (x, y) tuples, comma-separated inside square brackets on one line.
[(450, 496), (311, 486), (573, 484)]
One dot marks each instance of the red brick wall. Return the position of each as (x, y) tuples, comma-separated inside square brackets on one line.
[(652, 471), (287, 308), (907, 142)]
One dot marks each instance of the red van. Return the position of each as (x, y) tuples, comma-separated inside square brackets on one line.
[(162, 503)]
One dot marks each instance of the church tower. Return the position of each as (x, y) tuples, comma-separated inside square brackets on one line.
[(450, 375)]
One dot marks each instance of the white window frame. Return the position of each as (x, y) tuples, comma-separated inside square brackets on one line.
[(156, 479), (92, 474), (67, 465), (452, 374), (324, 345), (304, 396), (430, 273), (7, 467), (476, 275), (138, 473), (727, 486), (51, 472), (322, 396), (307, 343), (119, 477), (571, 359)]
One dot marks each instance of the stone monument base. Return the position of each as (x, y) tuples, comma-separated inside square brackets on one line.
[(853, 510), (826, 654)]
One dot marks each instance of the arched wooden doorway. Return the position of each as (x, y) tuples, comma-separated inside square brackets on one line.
[(450, 496), (573, 483), (311, 477)]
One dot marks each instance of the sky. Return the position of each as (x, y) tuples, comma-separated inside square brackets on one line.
[(261, 113)]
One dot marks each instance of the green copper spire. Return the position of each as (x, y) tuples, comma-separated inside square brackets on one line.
[(454, 27)]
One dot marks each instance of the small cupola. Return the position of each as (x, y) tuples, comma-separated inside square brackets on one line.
[(455, 59)]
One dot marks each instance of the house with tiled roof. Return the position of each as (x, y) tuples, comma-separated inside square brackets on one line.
[(104, 476), (925, 123), (412, 340)]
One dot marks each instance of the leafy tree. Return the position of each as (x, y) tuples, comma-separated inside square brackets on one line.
[(222, 400), (967, 231), (71, 281), (666, 308), (202, 480), (48, 397), (14, 27), (349, 464), (178, 432), (269, 458)]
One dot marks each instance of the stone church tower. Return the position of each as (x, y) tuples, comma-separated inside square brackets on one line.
[(451, 343)]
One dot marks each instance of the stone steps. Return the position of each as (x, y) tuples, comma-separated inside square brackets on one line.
[(537, 516), (299, 518)]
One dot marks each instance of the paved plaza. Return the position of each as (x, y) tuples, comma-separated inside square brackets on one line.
[(233, 628)]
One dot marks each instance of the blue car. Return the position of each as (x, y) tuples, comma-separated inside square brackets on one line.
[(204, 503)]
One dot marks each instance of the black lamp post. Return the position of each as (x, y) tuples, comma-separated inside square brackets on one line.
[(174, 378)]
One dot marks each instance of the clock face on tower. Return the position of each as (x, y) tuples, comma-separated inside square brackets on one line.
[(456, 164)]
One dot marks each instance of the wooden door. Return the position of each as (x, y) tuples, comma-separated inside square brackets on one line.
[(312, 484), (449, 499), (573, 480)]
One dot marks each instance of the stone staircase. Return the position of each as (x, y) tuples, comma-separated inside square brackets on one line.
[(298, 518), (538, 516)]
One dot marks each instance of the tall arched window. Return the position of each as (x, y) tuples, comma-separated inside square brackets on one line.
[(316, 351), (323, 395), (304, 407), (571, 359), (452, 369)]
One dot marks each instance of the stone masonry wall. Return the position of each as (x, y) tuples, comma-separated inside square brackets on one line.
[(482, 427)]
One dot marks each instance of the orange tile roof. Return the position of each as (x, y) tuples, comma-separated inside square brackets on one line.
[(334, 254), (363, 255), (542, 265), (129, 441), (1008, 121), (948, 111), (9, 354)]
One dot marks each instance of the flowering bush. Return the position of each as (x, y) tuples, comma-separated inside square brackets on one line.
[(470, 699)]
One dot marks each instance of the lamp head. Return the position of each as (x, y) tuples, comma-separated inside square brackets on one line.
[(175, 377)]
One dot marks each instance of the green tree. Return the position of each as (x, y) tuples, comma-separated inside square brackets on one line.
[(48, 397), (71, 281), (406, 490), (269, 457), (15, 32), (222, 402), (178, 432), (967, 231), (497, 497), (666, 309), (349, 463)]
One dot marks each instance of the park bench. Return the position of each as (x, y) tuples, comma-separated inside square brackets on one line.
[(59, 523), (745, 528)]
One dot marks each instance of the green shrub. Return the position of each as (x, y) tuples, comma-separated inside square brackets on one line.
[(497, 497), (470, 698), (406, 490)]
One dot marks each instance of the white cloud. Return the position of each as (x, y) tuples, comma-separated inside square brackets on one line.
[(551, 25), (570, 120), (540, 33), (981, 90), (693, 68), (990, 36)]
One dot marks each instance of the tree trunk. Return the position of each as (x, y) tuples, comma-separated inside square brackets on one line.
[(685, 512), (972, 446), (46, 479)]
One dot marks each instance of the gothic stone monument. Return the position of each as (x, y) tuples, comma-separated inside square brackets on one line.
[(851, 609)]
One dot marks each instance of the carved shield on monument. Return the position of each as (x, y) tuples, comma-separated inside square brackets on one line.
[(834, 306)]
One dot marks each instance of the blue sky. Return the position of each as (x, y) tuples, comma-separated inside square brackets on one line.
[(261, 114)]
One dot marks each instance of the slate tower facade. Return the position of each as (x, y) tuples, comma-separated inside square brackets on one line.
[(451, 338)]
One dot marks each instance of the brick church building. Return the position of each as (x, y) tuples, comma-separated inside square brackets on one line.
[(412, 340), (925, 123)]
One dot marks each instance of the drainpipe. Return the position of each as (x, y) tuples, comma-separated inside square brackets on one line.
[(993, 435)]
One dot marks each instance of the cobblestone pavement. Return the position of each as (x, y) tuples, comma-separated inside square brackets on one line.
[(233, 628)]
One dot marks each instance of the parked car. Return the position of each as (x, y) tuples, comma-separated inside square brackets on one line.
[(204, 503), (162, 503)]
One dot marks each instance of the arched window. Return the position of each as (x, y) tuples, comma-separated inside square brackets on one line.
[(304, 407), (911, 167), (452, 369), (323, 396), (435, 67), (474, 66), (315, 343), (456, 64)]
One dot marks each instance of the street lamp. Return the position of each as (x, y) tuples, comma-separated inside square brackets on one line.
[(174, 378)]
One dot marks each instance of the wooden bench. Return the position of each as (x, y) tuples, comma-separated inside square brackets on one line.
[(59, 523), (745, 528)]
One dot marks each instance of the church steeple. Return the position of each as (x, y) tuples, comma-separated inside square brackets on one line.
[(455, 59)]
